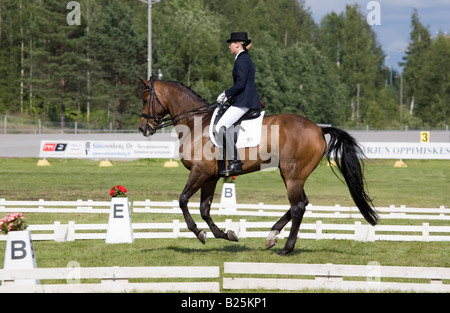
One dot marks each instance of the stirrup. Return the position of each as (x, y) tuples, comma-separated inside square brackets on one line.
[(234, 167)]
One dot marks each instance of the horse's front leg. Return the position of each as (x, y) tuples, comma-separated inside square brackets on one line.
[(193, 184), (207, 194)]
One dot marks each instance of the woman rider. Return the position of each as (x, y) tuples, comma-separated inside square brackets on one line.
[(242, 96)]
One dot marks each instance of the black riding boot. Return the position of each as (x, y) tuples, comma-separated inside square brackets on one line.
[(227, 139)]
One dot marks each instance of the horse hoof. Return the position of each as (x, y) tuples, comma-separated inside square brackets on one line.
[(271, 243), (285, 251), (202, 236), (232, 236), (272, 239)]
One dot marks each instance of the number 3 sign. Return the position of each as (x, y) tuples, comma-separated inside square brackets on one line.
[(424, 136)]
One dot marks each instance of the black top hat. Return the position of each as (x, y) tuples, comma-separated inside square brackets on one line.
[(239, 36)]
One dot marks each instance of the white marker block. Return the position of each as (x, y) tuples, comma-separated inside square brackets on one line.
[(228, 198), (19, 254), (119, 225)]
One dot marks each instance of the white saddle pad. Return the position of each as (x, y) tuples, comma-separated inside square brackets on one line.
[(249, 134)]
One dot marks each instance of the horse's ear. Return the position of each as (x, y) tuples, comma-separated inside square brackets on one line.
[(143, 81)]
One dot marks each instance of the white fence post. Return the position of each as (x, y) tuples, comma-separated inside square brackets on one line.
[(319, 230), (426, 232), (361, 231), (60, 232), (176, 228), (71, 231), (242, 228)]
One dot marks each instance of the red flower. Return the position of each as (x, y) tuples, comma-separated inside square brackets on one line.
[(118, 191)]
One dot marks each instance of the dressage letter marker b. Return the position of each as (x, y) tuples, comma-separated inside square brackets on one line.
[(228, 198), (18, 251), (19, 254), (119, 225)]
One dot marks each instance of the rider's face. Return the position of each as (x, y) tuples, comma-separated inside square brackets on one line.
[(235, 47)]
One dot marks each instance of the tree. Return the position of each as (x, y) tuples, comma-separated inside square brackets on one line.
[(10, 62), (426, 74), (432, 100), (57, 57), (331, 37), (299, 80), (189, 45), (420, 42), (283, 22), (88, 72), (121, 55), (349, 43)]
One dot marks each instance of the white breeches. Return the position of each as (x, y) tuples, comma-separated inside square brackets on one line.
[(231, 116)]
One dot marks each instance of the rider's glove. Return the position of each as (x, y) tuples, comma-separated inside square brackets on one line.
[(222, 98)]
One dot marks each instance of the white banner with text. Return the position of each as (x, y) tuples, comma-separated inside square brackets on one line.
[(169, 149), (407, 150), (108, 149)]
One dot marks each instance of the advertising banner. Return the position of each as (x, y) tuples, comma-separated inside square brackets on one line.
[(407, 150), (169, 149), (108, 149)]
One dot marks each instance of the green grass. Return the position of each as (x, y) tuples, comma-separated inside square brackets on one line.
[(183, 251), (422, 184)]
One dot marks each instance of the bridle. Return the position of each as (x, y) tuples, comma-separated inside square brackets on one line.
[(156, 122), (153, 121)]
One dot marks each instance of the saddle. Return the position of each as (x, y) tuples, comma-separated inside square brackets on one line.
[(248, 127), (251, 114)]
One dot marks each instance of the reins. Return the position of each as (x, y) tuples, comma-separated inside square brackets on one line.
[(159, 123)]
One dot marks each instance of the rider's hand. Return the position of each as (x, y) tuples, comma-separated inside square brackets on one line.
[(222, 98)]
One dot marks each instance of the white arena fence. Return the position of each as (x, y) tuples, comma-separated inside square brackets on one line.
[(42, 206), (235, 276), (261, 209), (371, 277), (176, 229), (114, 279), (318, 230)]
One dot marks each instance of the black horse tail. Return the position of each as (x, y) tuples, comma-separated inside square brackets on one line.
[(346, 152)]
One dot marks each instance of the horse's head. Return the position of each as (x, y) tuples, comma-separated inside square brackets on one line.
[(152, 109)]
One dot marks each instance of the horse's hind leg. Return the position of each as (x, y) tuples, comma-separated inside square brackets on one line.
[(276, 229), (207, 194), (297, 200), (278, 226)]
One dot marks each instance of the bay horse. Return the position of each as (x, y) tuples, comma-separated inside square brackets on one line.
[(300, 145)]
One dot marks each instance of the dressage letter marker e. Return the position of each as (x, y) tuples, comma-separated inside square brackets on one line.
[(19, 254), (119, 225), (118, 213)]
